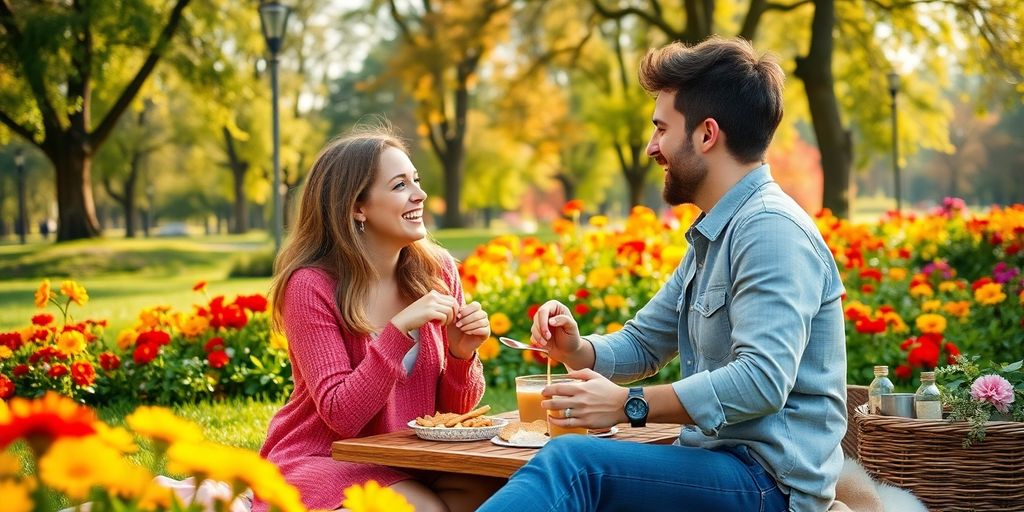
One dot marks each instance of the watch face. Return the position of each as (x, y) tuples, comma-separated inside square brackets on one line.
[(636, 408)]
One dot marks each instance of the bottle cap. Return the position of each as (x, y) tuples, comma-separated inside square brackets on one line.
[(927, 375), (884, 370)]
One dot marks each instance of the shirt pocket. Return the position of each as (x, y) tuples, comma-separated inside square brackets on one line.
[(713, 329)]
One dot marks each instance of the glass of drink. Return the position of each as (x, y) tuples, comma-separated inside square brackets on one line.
[(555, 430), (528, 397)]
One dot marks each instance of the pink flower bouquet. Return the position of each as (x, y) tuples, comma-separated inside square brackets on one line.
[(979, 394)]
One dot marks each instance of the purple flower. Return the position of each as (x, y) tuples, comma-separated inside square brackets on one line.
[(994, 390), (938, 266), (1004, 273)]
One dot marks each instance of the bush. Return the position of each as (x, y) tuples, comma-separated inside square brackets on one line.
[(259, 264)]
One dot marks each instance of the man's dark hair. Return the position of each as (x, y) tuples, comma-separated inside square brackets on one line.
[(723, 79)]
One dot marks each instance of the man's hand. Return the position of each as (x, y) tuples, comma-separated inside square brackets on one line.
[(596, 402)]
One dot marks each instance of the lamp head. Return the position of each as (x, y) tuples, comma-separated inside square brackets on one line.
[(894, 82), (274, 20)]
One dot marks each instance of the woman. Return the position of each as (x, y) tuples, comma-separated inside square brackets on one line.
[(378, 332)]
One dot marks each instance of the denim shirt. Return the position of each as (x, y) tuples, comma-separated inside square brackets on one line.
[(754, 311)]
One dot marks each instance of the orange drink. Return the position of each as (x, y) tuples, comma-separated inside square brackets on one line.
[(555, 430), (528, 397)]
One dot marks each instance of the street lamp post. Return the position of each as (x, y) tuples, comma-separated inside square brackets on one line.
[(19, 165), (274, 19), (894, 87)]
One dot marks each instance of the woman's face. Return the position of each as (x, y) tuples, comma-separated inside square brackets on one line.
[(393, 210)]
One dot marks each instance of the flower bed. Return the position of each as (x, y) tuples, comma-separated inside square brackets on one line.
[(220, 348)]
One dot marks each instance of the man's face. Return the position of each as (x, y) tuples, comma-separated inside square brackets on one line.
[(670, 146)]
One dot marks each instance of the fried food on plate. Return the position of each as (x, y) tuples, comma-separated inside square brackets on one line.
[(537, 426), (471, 419)]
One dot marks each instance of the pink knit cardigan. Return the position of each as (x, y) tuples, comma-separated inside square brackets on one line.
[(355, 386)]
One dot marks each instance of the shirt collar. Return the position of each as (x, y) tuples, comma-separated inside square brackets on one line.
[(714, 221)]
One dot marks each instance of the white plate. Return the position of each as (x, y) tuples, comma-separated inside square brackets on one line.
[(611, 432), (501, 442), (458, 434)]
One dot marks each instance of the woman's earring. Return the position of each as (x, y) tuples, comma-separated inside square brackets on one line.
[(362, 226)]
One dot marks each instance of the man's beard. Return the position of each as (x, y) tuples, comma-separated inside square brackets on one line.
[(684, 175)]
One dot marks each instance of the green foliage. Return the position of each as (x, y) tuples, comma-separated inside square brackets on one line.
[(259, 264)]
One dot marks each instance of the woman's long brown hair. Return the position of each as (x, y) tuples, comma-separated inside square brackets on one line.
[(324, 234)]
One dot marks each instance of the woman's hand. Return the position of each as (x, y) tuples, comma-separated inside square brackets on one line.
[(472, 326), (433, 306)]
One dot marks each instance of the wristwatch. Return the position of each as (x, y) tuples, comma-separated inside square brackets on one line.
[(636, 407)]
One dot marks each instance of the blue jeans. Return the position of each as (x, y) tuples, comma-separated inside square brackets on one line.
[(582, 473)]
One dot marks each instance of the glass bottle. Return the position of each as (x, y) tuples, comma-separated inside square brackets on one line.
[(928, 399), (878, 387)]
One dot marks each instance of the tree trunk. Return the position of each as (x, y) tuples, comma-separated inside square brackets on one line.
[(834, 142), (453, 185), (238, 169), (76, 211), (568, 184)]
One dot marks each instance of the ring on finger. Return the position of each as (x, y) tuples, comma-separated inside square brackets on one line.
[(568, 412)]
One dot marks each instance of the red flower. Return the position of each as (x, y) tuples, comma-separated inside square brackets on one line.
[(145, 353), (980, 282), (218, 358), (866, 288), (572, 208), (156, 338), (109, 361), (924, 355), (6, 388), (21, 369), (952, 351), (582, 293), (530, 311), (869, 326), (214, 344), (57, 371), (42, 319), (199, 286), (903, 372), (42, 420), (582, 309), (872, 274), (82, 373), (11, 340), (255, 302)]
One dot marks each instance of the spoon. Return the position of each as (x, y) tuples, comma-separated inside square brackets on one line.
[(518, 345)]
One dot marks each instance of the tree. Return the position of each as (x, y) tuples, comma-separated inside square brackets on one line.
[(443, 46), (847, 39), (52, 56)]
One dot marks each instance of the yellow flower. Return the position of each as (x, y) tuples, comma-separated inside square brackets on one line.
[(210, 460), (489, 349), (601, 277), (897, 274), (71, 343), (73, 291), (5, 352), (948, 286), (896, 322), (500, 323), (614, 301), (371, 497), (990, 294), (921, 290), (278, 341), (162, 425), (672, 255), (613, 327), (598, 221), (43, 294), (126, 338), (150, 318), (116, 437), (9, 464), (931, 305), (931, 323), (74, 465), (15, 497)]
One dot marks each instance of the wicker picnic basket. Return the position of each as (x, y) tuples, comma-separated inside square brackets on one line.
[(928, 458)]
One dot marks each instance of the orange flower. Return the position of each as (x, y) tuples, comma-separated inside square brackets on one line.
[(199, 287), (42, 420), (71, 343), (989, 294), (489, 349), (500, 323), (43, 294), (931, 323)]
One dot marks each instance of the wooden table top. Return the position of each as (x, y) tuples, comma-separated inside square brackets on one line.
[(403, 449)]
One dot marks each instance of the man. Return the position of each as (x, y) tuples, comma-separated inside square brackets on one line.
[(753, 311)]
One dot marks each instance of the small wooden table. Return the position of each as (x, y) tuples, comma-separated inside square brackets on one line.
[(403, 449)]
